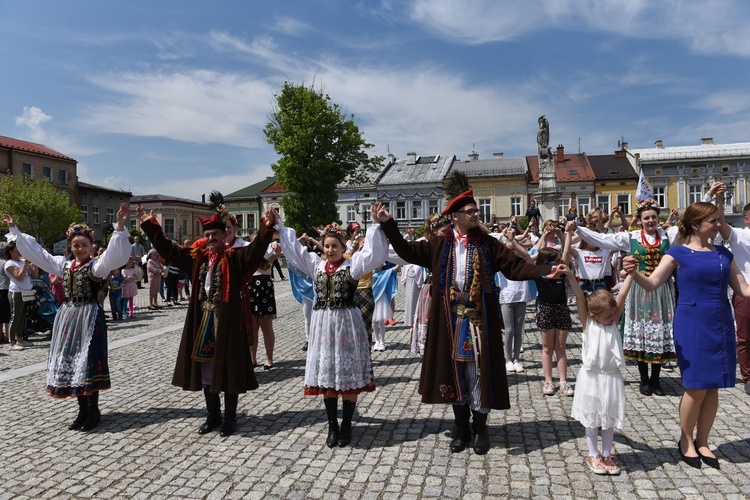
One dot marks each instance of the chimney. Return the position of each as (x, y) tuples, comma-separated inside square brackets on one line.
[(474, 156), (620, 153), (560, 153), (707, 140), (391, 159), (203, 198), (497, 155), (411, 158), (659, 144)]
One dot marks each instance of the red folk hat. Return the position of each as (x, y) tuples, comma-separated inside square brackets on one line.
[(459, 202), (213, 222)]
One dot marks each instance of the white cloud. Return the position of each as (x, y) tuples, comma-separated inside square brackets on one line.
[(291, 26), (197, 106), (728, 102), (717, 27), (33, 119), (192, 188)]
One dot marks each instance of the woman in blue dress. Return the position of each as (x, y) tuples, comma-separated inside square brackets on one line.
[(703, 325)]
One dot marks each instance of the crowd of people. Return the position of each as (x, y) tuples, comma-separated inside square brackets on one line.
[(644, 292)]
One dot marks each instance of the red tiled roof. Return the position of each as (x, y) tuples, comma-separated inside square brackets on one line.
[(31, 147), (573, 163), (274, 188)]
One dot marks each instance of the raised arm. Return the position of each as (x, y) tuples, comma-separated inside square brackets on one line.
[(618, 241), (33, 251), (118, 250), (622, 296), (583, 311), (414, 252), (568, 250), (660, 275), (296, 253), (177, 255)]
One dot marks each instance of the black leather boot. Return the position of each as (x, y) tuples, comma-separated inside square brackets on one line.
[(461, 431), (345, 434), (83, 413), (213, 405), (645, 386), (333, 424), (654, 380), (230, 414), (94, 416), (481, 442)]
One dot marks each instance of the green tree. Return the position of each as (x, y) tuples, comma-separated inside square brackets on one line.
[(37, 207), (320, 147)]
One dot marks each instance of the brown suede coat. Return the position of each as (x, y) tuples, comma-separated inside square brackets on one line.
[(232, 368), (438, 380)]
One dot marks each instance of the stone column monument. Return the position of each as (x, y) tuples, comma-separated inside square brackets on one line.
[(548, 196)]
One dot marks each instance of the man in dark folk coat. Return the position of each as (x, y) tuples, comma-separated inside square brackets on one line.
[(464, 362), (214, 353)]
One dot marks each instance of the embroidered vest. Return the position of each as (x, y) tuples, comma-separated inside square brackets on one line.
[(335, 291), (81, 287)]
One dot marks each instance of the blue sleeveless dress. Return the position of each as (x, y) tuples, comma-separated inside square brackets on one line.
[(703, 326)]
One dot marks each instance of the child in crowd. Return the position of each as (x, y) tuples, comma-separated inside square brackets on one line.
[(553, 320), (129, 289), (115, 285), (600, 397)]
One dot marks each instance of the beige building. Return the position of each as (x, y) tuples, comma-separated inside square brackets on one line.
[(179, 217), (39, 162)]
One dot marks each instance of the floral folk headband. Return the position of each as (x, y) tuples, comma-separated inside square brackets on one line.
[(438, 220), (334, 230), (647, 205), (81, 229)]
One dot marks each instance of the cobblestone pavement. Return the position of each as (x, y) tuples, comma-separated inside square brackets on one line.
[(147, 445)]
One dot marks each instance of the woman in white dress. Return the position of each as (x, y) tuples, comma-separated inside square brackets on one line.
[(77, 365), (338, 354)]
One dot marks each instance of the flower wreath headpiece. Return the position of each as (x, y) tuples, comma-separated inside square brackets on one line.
[(647, 205), (438, 220), (79, 229), (333, 229)]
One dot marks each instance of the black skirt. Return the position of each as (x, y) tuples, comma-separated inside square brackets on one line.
[(262, 298)]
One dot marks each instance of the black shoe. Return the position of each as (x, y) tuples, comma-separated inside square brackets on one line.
[(656, 388), (333, 434), (481, 442), (461, 437), (83, 413), (267, 367), (93, 419), (228, 427), (345, 434), (694, 462), (645, 388), (712, 462), (211, 423)]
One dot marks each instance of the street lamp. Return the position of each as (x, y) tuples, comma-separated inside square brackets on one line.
[(364, 214), (259, 201)]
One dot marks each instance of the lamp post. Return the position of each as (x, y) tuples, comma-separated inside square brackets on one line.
[(364, 214), (728, 197), (259, 201)]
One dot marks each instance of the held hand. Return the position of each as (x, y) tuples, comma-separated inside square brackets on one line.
[(142, 215), (629, 264), (571, 226), (8, 220), (715, 187), (379, 212), (122, 216), (556, 271), (271, 218)]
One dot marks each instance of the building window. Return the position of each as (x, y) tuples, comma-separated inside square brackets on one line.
[(515, 205), (695, 193), (660, 196), (564, 207), (416, 210), (602, 201), (133, 223), (240, 220), (623, 200), (584, 206), (110, 215), (432, 207), (95, 213), (351, 214), (47, 173), (198, 228), (62, 177), (484, 209), (251, 221), (401, 210), (85, 212), (27, 170), (169, 228)]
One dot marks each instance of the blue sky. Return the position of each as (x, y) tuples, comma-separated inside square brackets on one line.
[(171, 96)]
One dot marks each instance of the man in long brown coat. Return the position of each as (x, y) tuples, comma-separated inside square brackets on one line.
[(464, 362), (214, 353)]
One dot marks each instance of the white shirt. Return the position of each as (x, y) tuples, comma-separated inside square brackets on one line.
[(16, 285), (740, 242)]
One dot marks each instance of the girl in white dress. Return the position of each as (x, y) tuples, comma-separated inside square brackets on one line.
[(338, 354), (599, 399)]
